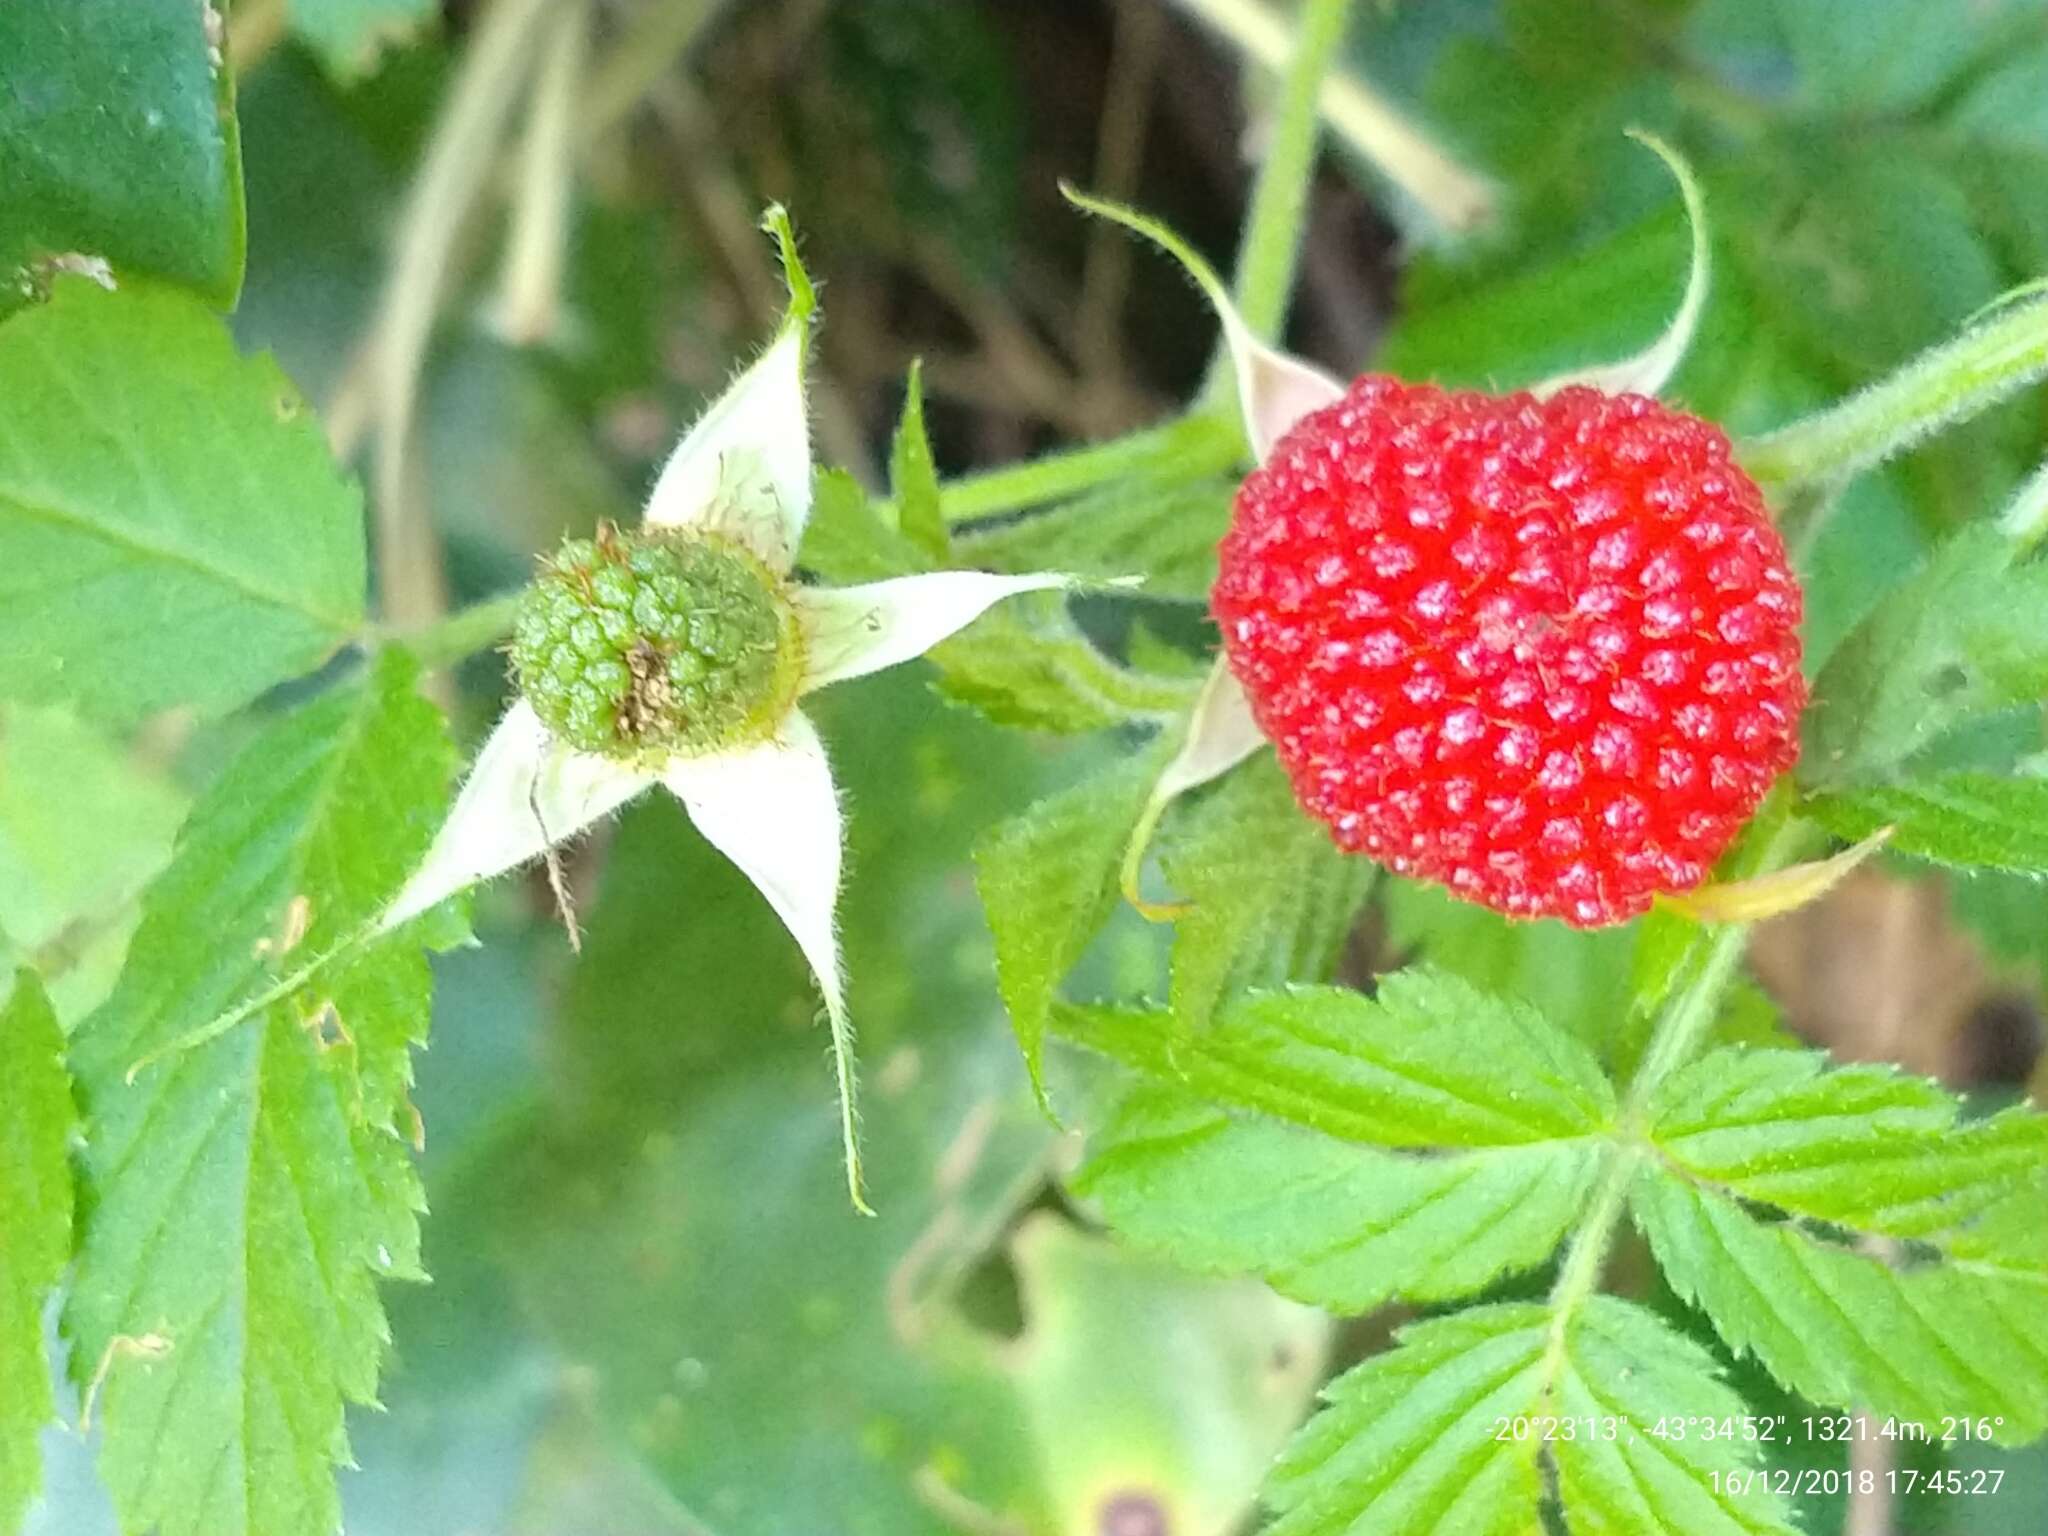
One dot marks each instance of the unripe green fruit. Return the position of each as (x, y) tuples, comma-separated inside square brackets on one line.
[(656, 644)]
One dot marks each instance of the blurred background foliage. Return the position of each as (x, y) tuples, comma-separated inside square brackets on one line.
[(652, 1312)]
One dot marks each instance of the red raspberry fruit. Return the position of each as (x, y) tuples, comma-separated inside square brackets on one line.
[(1544, 652)]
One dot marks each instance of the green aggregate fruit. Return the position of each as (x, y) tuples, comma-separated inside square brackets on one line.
[(657, 643)]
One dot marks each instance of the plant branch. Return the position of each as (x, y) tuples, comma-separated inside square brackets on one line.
[(1945, 385), (1683, 1023), (1271, 246), (459, 635)]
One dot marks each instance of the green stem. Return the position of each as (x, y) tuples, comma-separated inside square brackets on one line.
[(1271, 248), (1945, 385), (1193, 445), (1676, 1040), (461, 634)]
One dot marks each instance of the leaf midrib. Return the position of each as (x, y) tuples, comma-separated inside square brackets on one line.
[(124, 538)]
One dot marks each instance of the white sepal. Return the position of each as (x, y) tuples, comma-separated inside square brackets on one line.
[(852, 631), (526, 792), (756, 436), (772, 810), (1650, 370), (1274, 390), (1221, 734)]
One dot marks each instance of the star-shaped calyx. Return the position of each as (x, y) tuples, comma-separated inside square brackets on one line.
[(677, 654)]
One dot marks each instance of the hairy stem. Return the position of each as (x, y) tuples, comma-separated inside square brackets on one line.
[(1945, 385), (1681, 1026), (459, 635), (1271, 248)]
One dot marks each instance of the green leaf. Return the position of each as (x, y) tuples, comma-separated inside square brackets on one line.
[(1624, 1371), (84, 825), (1338, 1223), (1448, 1431), (1864, 1147), (1270, 899), (914, 479), (1410, 1443), (1913, 1342), (118, 145), (847, 540), (1143, 1385), (1027, 664), (1048, 883), (1163, 528), (1576, 979), (351, 35), (1966, 637), (1428, 1062), (173, 529), (1968, 820), (244, 1194), (37, 1122)]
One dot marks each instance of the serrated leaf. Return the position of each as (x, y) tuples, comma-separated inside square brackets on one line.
[(1908, 1341), (118, 145), (1623, 1371), (1864, 1147), (1267, 897), (1048, 881), (1027, 664), (1409, 1444), (1966, 637), (173, 529), (244, 1194), (1448, 1431), (1579, 980), (1428, 1062), (914, 479), (1341, 1224), (37, 1122), (1968, 820), (351, 35)]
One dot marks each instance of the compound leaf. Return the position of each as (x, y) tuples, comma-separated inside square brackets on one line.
[(1624, 1373), (1912, 1341), (1328, 1221), (1410, 1441), (1864, 1147), (1429, 1062)]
